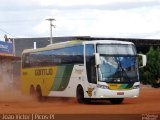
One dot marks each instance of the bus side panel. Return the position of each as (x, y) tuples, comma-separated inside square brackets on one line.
[(48, 81), (66, 77), (72, 77), (62, 77), (42, 76), (27, 77), (58, 78)]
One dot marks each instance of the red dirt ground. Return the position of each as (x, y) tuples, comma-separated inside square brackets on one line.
[(147, 103)]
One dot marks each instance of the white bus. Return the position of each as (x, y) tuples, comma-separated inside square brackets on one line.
[(87, 70)]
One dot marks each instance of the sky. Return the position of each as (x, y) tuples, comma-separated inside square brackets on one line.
[(96, 18)]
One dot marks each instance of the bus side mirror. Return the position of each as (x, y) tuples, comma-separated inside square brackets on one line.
[(97, 59), (143, 60)]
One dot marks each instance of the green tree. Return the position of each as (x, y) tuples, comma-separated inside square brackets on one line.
[(151, 73)]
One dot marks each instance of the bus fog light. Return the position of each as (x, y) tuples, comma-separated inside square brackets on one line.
[(102, 86), (136, 86)]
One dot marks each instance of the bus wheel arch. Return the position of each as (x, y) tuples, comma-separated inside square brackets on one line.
[(80, 94)]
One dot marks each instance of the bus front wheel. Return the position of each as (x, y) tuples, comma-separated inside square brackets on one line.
[(80, 94), (116, 100)]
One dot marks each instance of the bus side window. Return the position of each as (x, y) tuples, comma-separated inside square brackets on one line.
[(90, 64), (25, 59)]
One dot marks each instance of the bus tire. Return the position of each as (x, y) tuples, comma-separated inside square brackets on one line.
[(80, 94), (39, 96), (116, 100), (32, 91)]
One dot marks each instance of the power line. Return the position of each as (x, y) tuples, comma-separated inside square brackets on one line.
[(6, 32)]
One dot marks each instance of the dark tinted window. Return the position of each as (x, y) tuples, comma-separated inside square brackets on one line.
[(68, 55), (90, 64)]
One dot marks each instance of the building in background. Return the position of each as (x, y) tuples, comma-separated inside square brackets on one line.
[(142, 45), (28, 43), (7, 67)]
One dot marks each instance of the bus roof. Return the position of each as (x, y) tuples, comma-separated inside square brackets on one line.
[(73, 43)]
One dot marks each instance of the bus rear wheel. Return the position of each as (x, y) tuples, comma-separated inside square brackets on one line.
[(116, 100), (39, 96), (32, 91)]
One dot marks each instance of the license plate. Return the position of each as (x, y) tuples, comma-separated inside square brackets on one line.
[(120, 93)]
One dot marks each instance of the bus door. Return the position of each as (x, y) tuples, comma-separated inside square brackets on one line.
[(90, 64)]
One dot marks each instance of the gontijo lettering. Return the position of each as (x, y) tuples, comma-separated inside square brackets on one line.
[(43, 72)]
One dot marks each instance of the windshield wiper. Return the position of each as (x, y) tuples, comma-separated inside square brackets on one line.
[(123, 71)]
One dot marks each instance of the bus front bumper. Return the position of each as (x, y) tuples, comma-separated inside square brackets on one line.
[(106, 93)]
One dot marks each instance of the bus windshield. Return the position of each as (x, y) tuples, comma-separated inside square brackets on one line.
[(118, 63)]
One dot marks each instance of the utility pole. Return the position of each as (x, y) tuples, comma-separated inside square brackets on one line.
[(51, 25)]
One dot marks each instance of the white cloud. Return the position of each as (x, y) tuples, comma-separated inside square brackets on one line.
[(42, 27), (107, 23), (108, 18), (87, 2)]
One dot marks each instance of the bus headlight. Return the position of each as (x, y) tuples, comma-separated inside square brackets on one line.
[(102, 86), (136, 86)]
